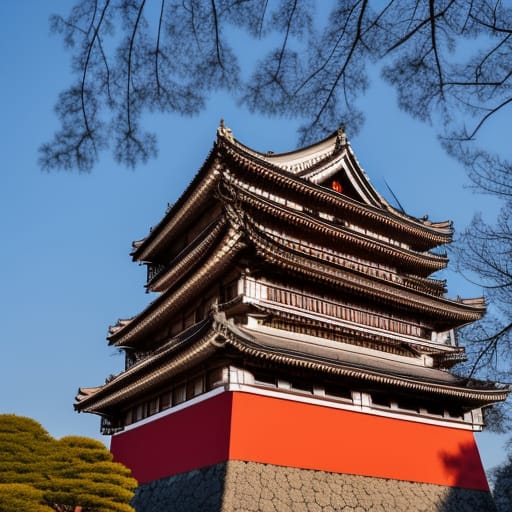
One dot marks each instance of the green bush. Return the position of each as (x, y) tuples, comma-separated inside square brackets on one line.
[(41, 474)]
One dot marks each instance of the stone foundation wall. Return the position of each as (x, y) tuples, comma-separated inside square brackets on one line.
[(237, 486), (200, 490)]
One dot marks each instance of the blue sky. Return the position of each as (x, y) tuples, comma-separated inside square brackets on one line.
[(65, 269)]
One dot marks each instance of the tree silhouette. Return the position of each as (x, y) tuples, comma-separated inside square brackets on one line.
[(130, 57), (501, 477), (484, 255)]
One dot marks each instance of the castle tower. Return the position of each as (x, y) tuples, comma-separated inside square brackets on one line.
[(297, 354)]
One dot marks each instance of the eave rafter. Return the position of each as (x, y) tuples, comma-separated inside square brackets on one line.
[(457, 389), (430, 286), (189, 258), (428, 233), (219, 334), (421, 263), (174, 298), (351, 335), (359, 284)]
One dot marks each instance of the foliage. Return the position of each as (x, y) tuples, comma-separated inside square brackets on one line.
[(41, 474), (16, 497), (449, 61)]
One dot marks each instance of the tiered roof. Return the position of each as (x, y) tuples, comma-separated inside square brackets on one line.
[(217, 334), (336, 279)]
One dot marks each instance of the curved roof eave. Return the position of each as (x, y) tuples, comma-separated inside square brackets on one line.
[(430, 261), (197, 187), (457, 311), (322, 151), (154, 313), (179, 355), (442, 229)]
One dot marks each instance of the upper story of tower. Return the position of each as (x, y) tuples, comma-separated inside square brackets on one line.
[(303, 231), (322, 183)]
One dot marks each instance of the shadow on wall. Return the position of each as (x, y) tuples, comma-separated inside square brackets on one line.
[(470, 490), (196, 490)]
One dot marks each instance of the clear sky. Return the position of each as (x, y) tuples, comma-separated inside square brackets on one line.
[(65, 269)]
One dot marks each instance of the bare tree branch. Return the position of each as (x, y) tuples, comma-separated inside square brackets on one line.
[(129, 66)]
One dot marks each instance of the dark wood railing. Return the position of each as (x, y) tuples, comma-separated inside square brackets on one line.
[(296, 299)]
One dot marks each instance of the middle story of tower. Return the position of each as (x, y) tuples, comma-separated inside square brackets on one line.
[(292, 272)]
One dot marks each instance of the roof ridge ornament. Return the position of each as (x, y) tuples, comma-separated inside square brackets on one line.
[(224, 131), (341, 138)]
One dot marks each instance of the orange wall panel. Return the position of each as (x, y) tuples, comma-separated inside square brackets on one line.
[(287, 433)]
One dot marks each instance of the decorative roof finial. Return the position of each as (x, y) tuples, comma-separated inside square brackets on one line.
[(341, 137), (224, 131)]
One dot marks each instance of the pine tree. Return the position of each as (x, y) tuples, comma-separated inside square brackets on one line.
[(41, 474)]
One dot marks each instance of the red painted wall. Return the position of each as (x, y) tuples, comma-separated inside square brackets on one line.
[(243, 426), (188, 439)]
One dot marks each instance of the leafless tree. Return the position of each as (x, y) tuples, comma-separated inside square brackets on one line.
[(484, 255), (449, 60), (501, 479)]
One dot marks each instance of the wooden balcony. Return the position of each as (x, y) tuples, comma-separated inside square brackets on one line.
[(272, 294)]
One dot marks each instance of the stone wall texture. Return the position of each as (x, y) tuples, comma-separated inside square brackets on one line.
[(237, 486)]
